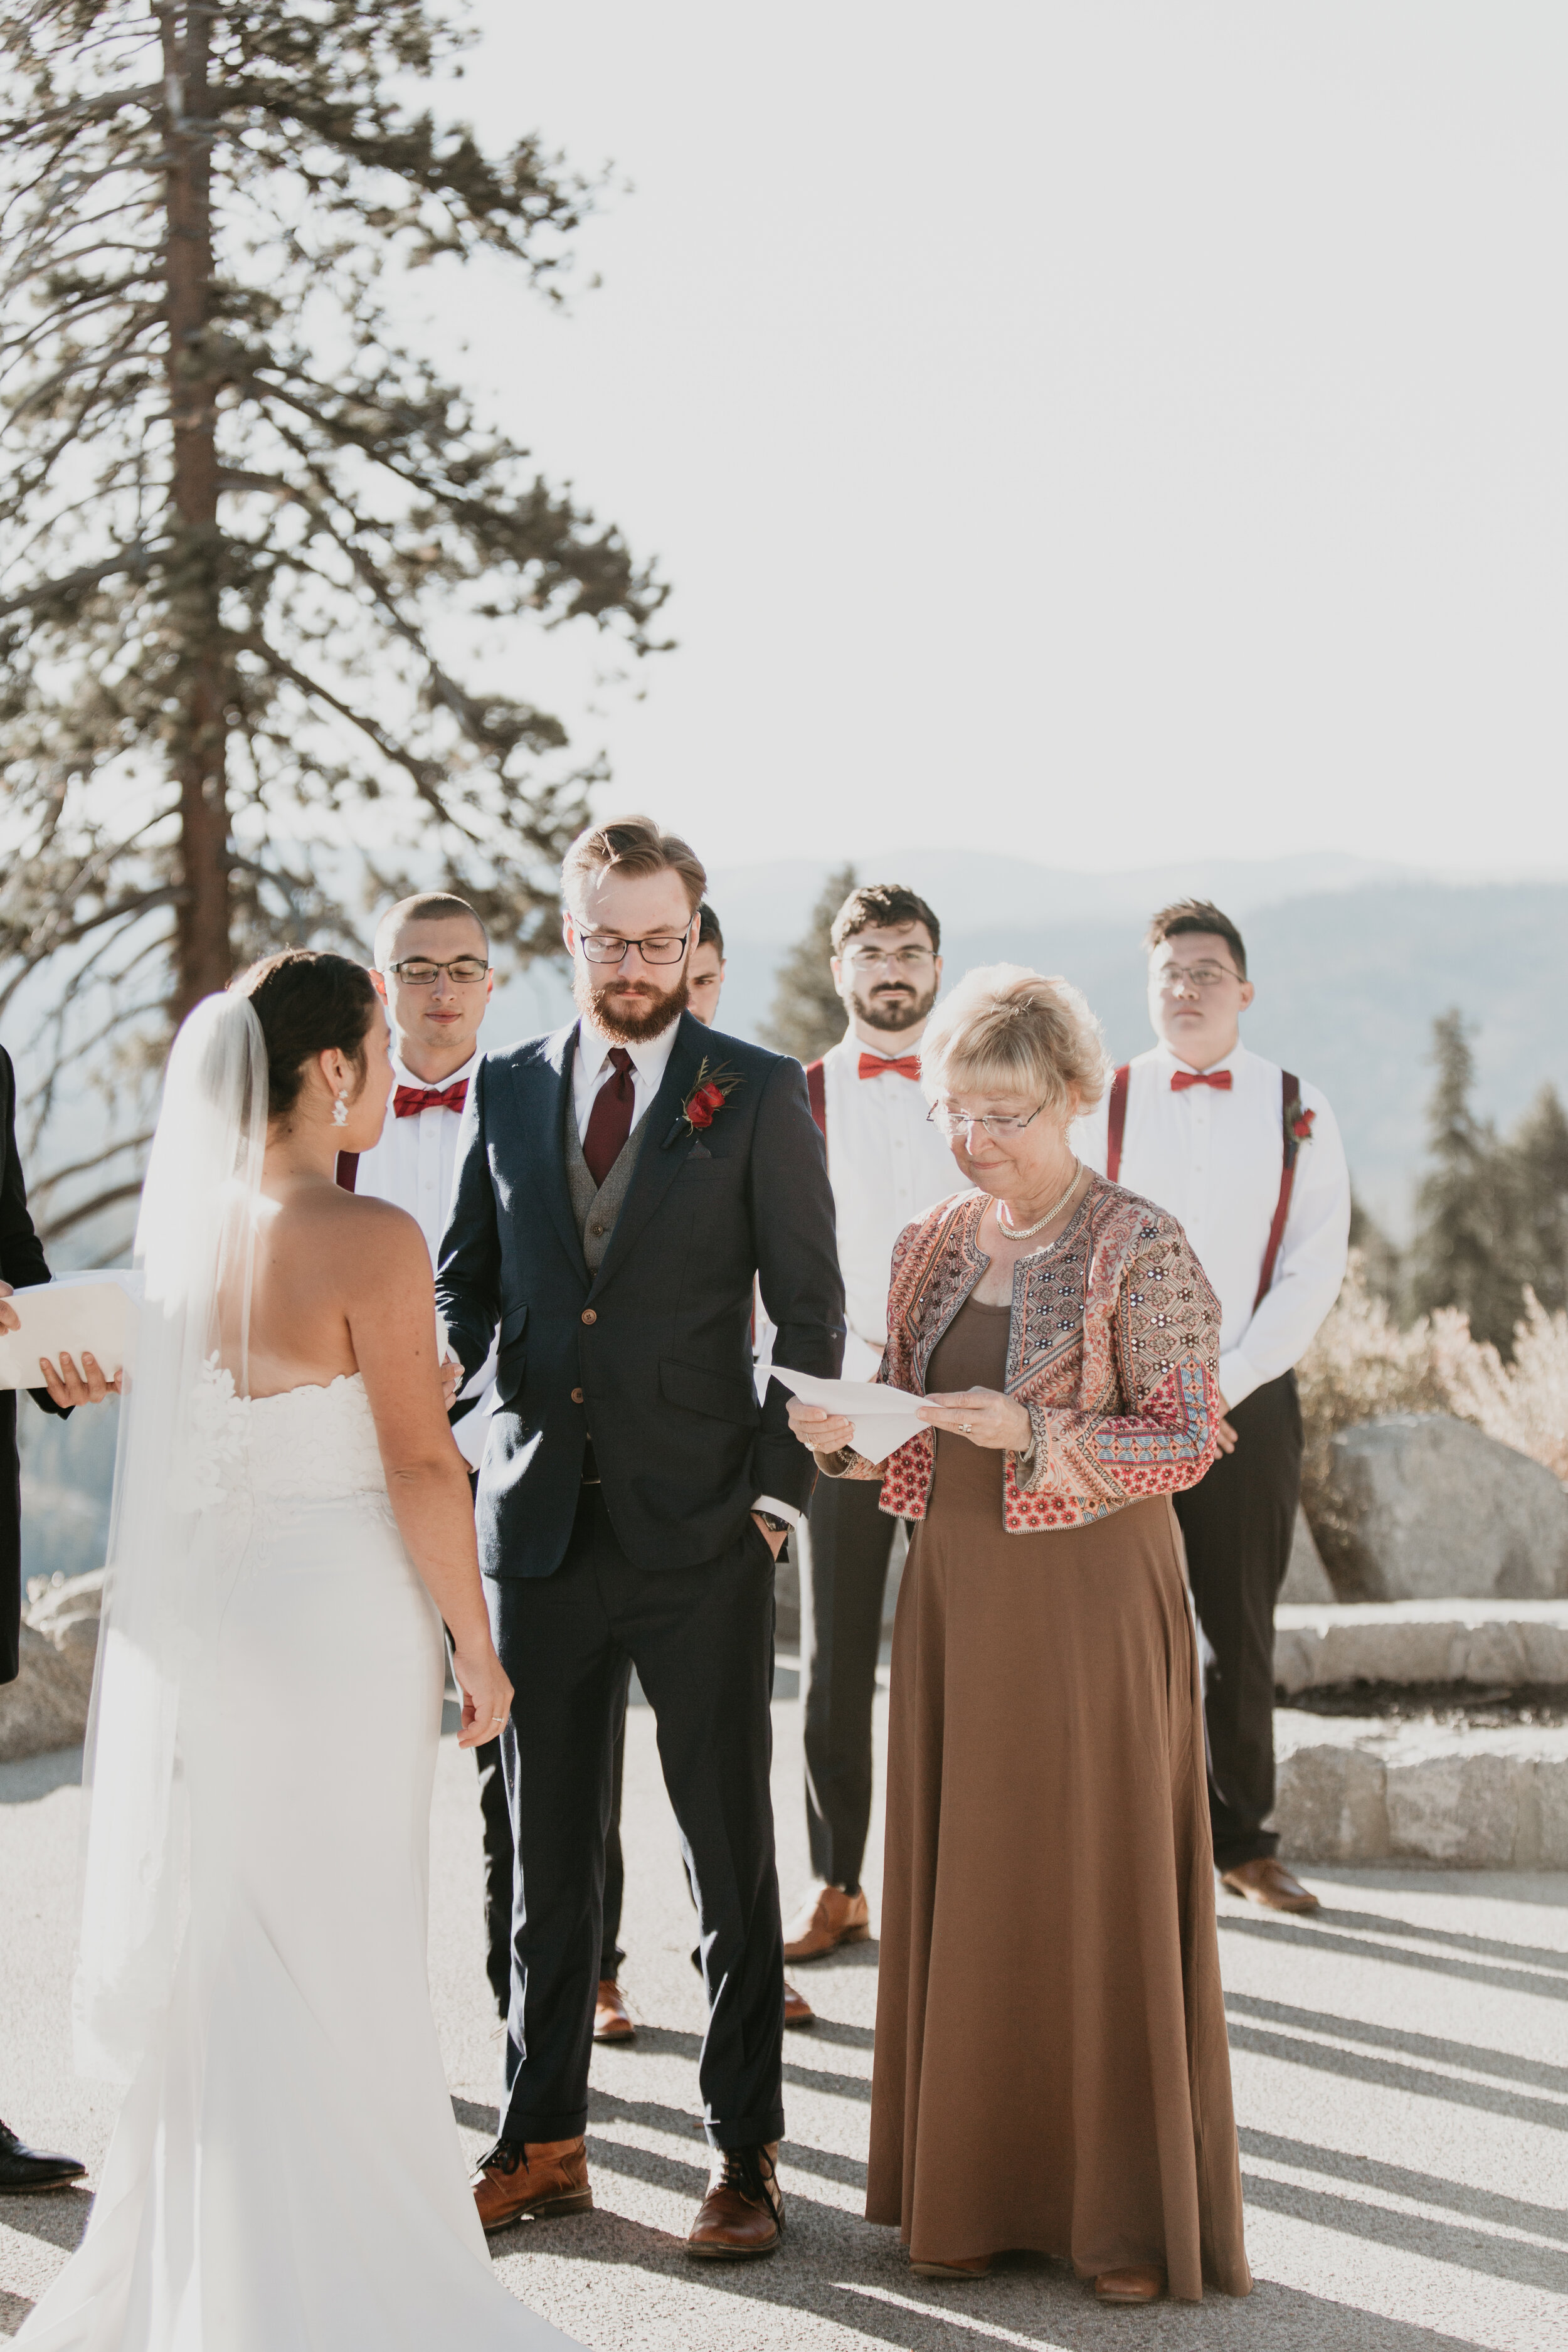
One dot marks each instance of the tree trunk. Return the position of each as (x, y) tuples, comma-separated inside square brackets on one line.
[(204, 958)]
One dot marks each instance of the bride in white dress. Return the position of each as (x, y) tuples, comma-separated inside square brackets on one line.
[(291, 1526)]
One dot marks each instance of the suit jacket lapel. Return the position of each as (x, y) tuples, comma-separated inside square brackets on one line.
[(657, 1168), (546, 1089)]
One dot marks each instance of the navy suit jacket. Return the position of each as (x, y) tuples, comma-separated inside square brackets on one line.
[(22, 1263), (651, 1357)]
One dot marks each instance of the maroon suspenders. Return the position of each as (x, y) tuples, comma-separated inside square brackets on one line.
[(816, 1095), (348, 1170), (1291, 1116)]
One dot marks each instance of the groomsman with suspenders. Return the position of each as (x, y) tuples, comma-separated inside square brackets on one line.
[(1248, 1158), (887, 1164), (432, 971)]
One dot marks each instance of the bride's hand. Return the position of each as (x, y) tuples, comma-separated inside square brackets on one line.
[(487, 1695)]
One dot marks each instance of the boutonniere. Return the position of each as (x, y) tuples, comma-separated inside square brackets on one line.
[(707, 1098), (1298, 1125)]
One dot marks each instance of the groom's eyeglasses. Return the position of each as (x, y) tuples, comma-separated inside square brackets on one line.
[(417, 972), (663, 947)]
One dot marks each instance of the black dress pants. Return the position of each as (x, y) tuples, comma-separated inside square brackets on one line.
[(701, 1641), (1238, 1522), (851, 1542), (499, 1874)]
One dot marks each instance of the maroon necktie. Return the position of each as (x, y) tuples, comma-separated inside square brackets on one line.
[(902, 1065), (1183, 1078), (409, 1101), (610, 1120)]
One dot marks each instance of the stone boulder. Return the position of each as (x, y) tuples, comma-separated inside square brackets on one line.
[(46, 1706), (1421, 1506)]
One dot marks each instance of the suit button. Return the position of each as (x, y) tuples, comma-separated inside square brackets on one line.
[(590, 1315), (576, 1396), (595, 1229)]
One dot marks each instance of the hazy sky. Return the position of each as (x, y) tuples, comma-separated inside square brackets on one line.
[(1103, 432)]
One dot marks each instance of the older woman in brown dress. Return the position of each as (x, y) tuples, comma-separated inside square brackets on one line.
[(1051, 2067)]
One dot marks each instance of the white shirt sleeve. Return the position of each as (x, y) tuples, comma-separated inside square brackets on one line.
[(1310, 1265)]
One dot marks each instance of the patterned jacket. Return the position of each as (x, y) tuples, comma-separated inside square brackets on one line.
[(1112, 1348)]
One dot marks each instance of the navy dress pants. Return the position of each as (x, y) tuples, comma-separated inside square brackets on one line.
[(701, 1641)]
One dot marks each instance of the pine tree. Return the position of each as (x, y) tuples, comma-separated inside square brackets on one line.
[(808, 1014), (1464, 1204), (253, 538), (1536, 1190), (1379, 1258)]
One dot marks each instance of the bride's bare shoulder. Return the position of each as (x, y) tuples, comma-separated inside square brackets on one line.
[(354, 1232)]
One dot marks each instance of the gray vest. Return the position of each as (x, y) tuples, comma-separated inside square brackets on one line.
[(596, 1207)]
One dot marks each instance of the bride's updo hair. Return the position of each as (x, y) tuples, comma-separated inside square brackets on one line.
[(307, 1002)]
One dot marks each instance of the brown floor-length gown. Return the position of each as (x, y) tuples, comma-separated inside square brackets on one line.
[(1051, 2066)]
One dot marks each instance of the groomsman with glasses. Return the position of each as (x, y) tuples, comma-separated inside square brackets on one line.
[(887, 1165), (1249, 1158)]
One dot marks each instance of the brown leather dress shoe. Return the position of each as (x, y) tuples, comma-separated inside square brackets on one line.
[(1267, 1882), (742, 2214), (824, 1920), (1130, 2286), (533, 2183), (798, 2010), (975, 2267), (612, 2017)]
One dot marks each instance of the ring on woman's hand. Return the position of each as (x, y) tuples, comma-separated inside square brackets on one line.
[(966, 1429)]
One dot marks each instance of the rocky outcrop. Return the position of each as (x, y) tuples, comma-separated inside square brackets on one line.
[(1421, 1506), (1367, 1791), (1465, 1645), (46, 1706)]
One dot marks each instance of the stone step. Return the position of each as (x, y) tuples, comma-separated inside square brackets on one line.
[(1484, 1645), (1362, 1789)]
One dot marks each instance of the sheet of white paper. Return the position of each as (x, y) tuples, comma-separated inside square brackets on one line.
[(93, 1314), (884, 1418)]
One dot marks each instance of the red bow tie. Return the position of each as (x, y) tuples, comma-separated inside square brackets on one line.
[(1220, 1078), (907, 1065), (409, 1101)]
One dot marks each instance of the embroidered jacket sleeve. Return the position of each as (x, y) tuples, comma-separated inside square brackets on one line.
[(1154, 1348)]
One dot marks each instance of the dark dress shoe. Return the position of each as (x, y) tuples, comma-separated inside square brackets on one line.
[(742, 2214), (1269, 1884), (612, 2017), (24, 2173), (1137, 2285), (536, 2181), (798, 2010)]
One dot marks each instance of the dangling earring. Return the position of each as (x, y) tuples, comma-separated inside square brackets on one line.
[(341, 1108)]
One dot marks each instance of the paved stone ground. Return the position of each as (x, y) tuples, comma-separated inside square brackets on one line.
[(1402, 2081)]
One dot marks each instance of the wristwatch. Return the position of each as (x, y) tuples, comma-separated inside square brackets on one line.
[(772, 1521)]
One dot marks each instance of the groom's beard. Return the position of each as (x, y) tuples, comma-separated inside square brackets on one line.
[(627, 1012)]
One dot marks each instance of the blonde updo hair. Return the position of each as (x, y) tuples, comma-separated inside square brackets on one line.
[(1005, 1029)]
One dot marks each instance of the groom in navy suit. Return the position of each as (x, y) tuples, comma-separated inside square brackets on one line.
[(619, 1186)]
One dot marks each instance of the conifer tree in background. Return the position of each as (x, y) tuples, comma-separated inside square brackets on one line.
[(1536, 1196), (808, 1014), (1380, 1261), (263, 561), (1455, 1259)]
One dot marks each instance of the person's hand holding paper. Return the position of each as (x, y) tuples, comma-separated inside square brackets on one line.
[(830, 1414)]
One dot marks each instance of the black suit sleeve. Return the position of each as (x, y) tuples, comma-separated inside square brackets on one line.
[(468, 1279), (797, 1270), (22, 1260)]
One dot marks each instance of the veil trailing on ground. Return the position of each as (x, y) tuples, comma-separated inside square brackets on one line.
[(194, 1248)]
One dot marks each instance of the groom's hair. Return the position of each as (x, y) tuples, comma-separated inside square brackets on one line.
[(633, 845), (307, 1001)]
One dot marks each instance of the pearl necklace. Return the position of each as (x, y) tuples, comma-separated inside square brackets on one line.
[(1021, 1233)]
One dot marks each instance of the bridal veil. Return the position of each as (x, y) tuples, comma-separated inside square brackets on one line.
[(194, 1249)]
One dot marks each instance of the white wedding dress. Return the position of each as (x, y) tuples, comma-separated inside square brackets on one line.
[(286, 2174)]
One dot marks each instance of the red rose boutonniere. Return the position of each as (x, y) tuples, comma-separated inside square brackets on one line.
[(1301, 1124), (707, 1098)]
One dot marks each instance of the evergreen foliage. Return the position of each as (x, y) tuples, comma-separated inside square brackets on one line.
[(808, 1014), (253, 538)]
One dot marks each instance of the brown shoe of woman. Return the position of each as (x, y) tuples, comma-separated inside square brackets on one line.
[(1137, 2285)]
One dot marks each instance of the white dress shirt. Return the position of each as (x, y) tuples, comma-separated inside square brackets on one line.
[(650, 1059), (591, 1068), (1213, 1160), (413, 1166), (887, 1165)]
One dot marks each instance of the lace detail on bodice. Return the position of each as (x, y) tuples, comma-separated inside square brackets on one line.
[(306, 1444)]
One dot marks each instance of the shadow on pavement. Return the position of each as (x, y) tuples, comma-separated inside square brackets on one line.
[(1398, 2180), (59, 2218), (1322, 1939), (34, 1777)]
